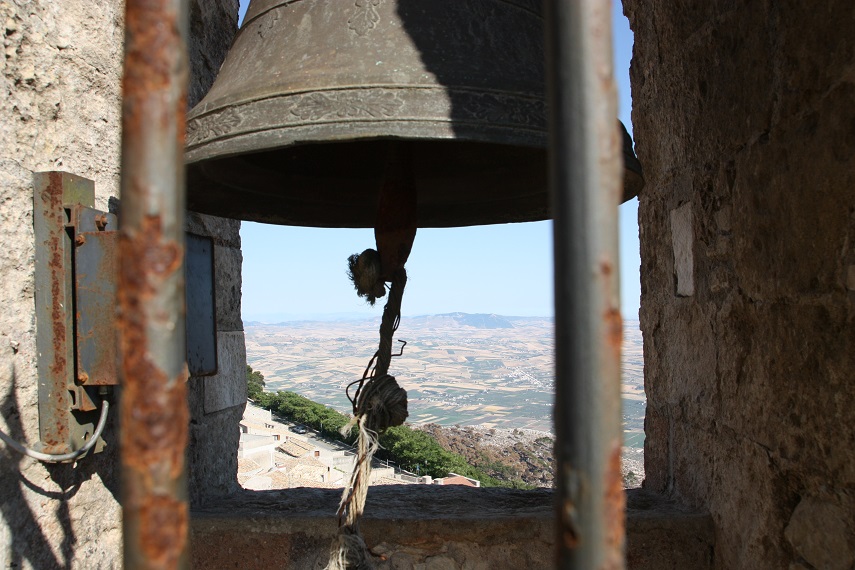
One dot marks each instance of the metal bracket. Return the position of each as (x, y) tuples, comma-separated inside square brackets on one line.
[(74, 277), (76, 274)]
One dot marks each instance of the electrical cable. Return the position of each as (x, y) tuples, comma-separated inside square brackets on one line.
[(61, 457)]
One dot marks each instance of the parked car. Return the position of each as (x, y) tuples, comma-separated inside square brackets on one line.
[(299, 429)]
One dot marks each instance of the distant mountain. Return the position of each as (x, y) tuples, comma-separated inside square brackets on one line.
[(478, 321), (453, 320), (283, 319)]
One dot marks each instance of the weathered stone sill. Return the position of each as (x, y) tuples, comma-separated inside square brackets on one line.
[(425, 527)]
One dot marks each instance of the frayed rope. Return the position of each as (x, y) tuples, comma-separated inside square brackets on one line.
[(378, 403), (363, 269)]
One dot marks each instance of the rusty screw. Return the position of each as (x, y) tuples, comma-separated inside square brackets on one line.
[(80, 239), (101, 222), (82, 378)]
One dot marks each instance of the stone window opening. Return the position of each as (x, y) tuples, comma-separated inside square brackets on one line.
[(447, 514), (742, 112)]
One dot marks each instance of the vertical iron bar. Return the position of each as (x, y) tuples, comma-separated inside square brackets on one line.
[(586, 188), (154, 412)]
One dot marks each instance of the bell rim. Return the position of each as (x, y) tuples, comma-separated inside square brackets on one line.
[(359, 113)]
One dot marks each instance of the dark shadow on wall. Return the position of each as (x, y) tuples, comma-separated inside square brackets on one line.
[(211, 31), (488, 56), (20, 495)]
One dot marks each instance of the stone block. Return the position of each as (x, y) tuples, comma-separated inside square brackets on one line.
[(401, 561), (227, 388), (657, 463), (682, 242), (427, 526), (227, 269), (17, 319), (212, 452), (816, 51), (791, 204), (819, 533), (225, 232), (440, 562), (212, 27)]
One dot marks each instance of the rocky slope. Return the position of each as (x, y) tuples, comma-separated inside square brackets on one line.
[(518, 454)]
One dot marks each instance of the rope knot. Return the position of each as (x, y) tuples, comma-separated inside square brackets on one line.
[(383, 403), (364, 270)]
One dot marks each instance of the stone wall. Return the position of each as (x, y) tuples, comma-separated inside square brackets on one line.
[(216, 402), (432, 527), (60, 110), (744, 119)]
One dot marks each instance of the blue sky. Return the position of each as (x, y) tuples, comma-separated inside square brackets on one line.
[(291, 272)]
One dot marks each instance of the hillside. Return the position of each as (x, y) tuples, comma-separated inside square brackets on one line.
[(491, 372), (503, 454), (519, 454)]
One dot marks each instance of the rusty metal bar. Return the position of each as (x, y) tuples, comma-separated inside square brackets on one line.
[(586, 187), (59, 430), (154, 412)]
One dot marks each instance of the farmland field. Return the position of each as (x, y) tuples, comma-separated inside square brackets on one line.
[(458, 369)]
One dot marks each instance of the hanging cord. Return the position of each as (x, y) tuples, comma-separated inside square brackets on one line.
[(378, 403), (379, 363), (62, 457)]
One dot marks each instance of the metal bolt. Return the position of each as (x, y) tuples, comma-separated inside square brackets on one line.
[(80, 239), (82, 378), (101, 222)]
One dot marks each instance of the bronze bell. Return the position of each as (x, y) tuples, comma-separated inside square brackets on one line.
[(297, 127)]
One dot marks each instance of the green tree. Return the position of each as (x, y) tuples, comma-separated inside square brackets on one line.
[(254, 383)]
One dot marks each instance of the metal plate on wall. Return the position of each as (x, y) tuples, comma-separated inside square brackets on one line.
[(201, 308), (95, 298)]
